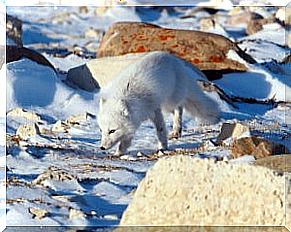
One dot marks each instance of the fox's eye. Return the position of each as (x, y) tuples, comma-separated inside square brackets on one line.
[(111, 131), (100, 130)]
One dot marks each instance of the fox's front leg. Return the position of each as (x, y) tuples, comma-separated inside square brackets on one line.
[(123, 146), (159, 122), (177, 124)]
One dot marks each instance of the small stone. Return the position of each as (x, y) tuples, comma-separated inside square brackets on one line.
[(27, 131), (59, 127), (101, 10), (127, 157), (83, 10), (207, 24), (52, 173), (231, 131), (76, 119), (76, 214), (38, 213), (209, 145), (19, 112), (161, 153), (139, 154), (93, 33)]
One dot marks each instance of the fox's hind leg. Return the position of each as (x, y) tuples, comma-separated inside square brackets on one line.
[(123, 145), (159, 122), (177, 123)]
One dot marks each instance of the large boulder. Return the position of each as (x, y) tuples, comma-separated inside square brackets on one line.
[(188, 191), (205, 50), (98, 72)]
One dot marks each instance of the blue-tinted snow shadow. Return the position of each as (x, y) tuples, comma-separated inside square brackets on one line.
[(90, 202), (248, 84), (246, 111)]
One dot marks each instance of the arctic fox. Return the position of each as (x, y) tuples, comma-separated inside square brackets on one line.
[(157, 82)]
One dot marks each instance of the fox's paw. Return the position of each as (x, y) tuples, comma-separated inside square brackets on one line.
[(175, 135)]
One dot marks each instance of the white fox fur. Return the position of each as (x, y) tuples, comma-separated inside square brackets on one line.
[(157, 82)]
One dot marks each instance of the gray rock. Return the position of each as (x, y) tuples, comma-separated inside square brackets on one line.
[(82, 77)]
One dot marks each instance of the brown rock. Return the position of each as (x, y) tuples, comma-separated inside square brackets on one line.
[(258, 147), (257, 25), (205, 50), (243, 18), (14, 53), (14, 29), (83, 10)]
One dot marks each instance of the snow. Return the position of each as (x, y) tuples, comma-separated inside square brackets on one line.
[(103, 184), (49, 93), (258, 84)]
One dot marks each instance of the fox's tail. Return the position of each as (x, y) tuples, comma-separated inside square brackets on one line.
[(199, 105)]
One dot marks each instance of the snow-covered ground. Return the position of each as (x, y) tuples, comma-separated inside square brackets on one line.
[(95, 184)]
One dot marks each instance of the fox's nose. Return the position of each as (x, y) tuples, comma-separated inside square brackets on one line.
[(102, 148)]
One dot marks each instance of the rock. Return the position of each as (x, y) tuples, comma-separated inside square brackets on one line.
[(14, 29), (52, 173), (188, 191), (93, 33), (14, 53), (101, 10), (287, 59), (19, 112), (207, 24), (98, 72), (38, 213), (235, 10), (205, 50), (279, 163), (60, 127), (283, 14), (82, 77), (232, 131), (243, 18), (258, 147), (76, 214), (257, 25), (27, 131), (83, 10), (76, 119)]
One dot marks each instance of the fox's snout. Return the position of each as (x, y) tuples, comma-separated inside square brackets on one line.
[(102, 148)]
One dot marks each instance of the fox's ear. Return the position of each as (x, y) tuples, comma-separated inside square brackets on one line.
[(101, 102)]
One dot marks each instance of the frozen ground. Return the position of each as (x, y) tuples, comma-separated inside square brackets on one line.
[(63, 173)]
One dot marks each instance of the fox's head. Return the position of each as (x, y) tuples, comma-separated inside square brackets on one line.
[(114, 122)]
